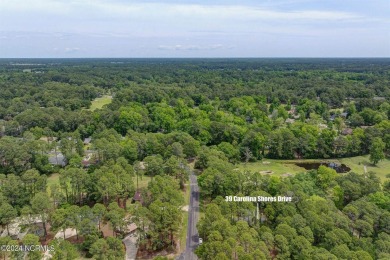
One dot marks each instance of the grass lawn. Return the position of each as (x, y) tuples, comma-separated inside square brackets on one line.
[(52, 179), (183, 231), (280, 167), (275, 167), (142, 183), (201, 215), (186, 194), (98, 103), (357, 165)]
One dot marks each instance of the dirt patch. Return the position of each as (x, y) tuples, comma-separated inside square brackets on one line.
[(107, 230)]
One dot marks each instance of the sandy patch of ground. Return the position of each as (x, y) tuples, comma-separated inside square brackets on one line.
[(69, 232)]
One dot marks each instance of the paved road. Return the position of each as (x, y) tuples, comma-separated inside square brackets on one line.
[(131, 246), (193, 217)]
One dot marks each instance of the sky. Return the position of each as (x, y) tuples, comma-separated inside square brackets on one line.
[(196, 28)]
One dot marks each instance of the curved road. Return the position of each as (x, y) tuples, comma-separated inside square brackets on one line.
[(193, 217)]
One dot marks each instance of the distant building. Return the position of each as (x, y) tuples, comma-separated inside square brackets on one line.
[(131, 228), (57, 160), (334, 116), (48, 139), (322, 126), (292, 111), (137, 197), (347, 131), (345, 114), (290, 121), (87, 140)]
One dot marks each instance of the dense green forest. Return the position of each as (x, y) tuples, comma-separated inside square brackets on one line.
[(78, 167)]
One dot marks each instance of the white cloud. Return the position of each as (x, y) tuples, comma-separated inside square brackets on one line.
[(121, 19), (120, 27), (33, 6), (179, 47), (150, 10), (249, 13), (134, 19), (74, 49)]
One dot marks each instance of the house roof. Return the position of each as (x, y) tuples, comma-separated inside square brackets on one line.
[(131, 227), (137, 196), (87, 140), (347, 131), (61, 159)]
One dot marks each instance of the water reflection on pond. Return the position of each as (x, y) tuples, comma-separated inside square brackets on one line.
[(340, 168)]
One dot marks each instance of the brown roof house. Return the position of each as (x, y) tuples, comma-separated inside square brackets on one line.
[(347, 131), (138, 197)]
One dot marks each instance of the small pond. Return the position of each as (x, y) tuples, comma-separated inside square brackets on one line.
[(340, 168)]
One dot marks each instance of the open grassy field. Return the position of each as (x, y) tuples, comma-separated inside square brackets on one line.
[(269, 166), (357, 165), (280, 167), (98, 103)]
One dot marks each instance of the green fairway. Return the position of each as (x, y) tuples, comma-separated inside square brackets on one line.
[(98, 103), (281, 167), (273, 167), (357, 165)]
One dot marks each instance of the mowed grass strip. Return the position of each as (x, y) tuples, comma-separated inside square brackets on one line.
[(53, 178), (269, 166), (184, 227), (357, 165), (280, 167), (142, 181), (98, 103)]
